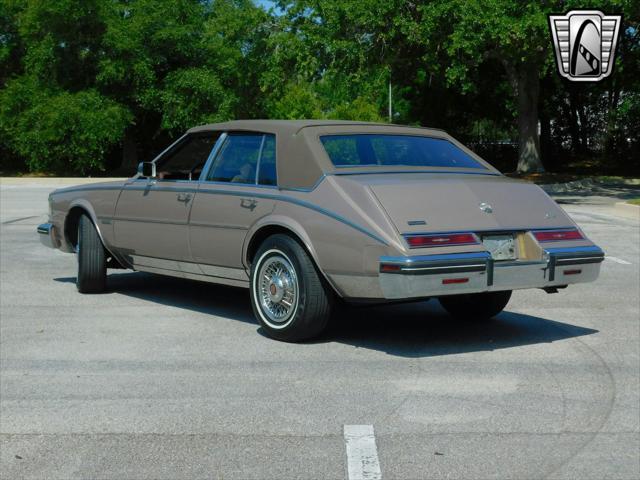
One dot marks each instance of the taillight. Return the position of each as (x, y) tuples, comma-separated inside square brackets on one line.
[(441, 240), (557, 235)]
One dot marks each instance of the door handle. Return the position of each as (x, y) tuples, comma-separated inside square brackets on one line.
[(249, 203), (184, 197)]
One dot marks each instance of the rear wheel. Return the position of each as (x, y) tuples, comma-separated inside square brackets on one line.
[(92, 264), (288, 296), (476, 306)]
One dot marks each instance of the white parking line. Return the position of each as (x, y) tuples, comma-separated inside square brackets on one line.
[(617, 260), (362, 454)]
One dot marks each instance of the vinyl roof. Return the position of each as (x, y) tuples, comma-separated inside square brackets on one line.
[(301, 160), (294, 126)]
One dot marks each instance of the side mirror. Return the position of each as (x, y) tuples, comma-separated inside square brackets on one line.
[(147, 169)]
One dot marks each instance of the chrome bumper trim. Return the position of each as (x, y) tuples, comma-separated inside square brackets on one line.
[(557, 257), (434, 264), (423, 276), (47, 234)]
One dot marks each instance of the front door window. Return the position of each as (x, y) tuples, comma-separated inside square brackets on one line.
[(186, 160)]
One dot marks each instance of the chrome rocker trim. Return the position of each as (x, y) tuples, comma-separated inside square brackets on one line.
[(425, 276), (47, 234)]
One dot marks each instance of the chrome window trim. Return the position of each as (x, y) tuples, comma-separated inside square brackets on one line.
[(214, 151), (238, 184), (159, 156), (264, 136), (381, 172)]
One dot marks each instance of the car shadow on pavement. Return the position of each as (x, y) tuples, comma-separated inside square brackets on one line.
[(424, 329), (419, 329), (202, 297)]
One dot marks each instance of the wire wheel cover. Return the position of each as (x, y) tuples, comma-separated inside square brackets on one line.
[(278, 288)]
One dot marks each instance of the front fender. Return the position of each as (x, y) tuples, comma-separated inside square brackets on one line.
[(85, 205)]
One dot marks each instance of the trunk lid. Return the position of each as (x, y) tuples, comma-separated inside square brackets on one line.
[(454, 202)]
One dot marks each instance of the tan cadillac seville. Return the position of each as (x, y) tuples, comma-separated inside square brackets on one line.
[(309, 213)]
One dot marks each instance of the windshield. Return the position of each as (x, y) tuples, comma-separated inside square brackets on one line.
[(395, 150)]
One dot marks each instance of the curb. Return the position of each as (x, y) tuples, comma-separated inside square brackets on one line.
[(55, 181), (628, 210)]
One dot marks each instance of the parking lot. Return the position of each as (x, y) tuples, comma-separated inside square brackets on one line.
[(169, 378)]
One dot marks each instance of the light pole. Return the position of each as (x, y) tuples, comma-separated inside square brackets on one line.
[(390, 103)]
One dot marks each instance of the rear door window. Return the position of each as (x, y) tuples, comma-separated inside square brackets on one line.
[(245, 158), (267, 166)]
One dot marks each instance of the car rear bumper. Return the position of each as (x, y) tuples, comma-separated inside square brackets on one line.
[(47, 234), (450, 274)]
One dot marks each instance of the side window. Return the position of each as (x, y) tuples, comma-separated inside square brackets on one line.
[(267, 173), (237, 160), (241, 155), (186, 160)]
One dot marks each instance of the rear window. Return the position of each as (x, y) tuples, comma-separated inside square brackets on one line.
[(395, 150)]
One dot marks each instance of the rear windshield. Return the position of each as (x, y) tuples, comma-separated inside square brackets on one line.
[(395, 150)]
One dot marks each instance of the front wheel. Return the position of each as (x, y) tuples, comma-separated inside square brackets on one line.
[(288, 297), (92, 262), (475, 306)]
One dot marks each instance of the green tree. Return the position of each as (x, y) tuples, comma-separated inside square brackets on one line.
[(50, 114), (511, 32), (66, 132)]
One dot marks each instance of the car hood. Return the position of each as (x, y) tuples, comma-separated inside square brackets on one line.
[(453, 202), (110, 185)]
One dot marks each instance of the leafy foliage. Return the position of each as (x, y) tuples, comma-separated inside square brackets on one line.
[(91, 85), (65, 131)]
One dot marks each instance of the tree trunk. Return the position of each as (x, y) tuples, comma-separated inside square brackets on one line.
[(545, 138), (528, 86), (574, 128)]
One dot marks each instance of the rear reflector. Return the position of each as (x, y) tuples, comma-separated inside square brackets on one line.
[(557, 235), (449, 281), (441, 240), (572, 272), (386, 267)]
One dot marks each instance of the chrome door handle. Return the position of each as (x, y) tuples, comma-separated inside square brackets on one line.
[(184, 197)]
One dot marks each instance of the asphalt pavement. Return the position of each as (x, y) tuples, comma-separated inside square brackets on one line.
[(168, 378)]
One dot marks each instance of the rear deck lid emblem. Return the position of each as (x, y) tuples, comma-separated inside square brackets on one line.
[(485, 207)]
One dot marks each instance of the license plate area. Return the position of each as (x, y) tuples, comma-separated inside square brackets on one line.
[(501, 247)]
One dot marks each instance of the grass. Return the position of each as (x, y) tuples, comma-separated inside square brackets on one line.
[(634, 201)]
